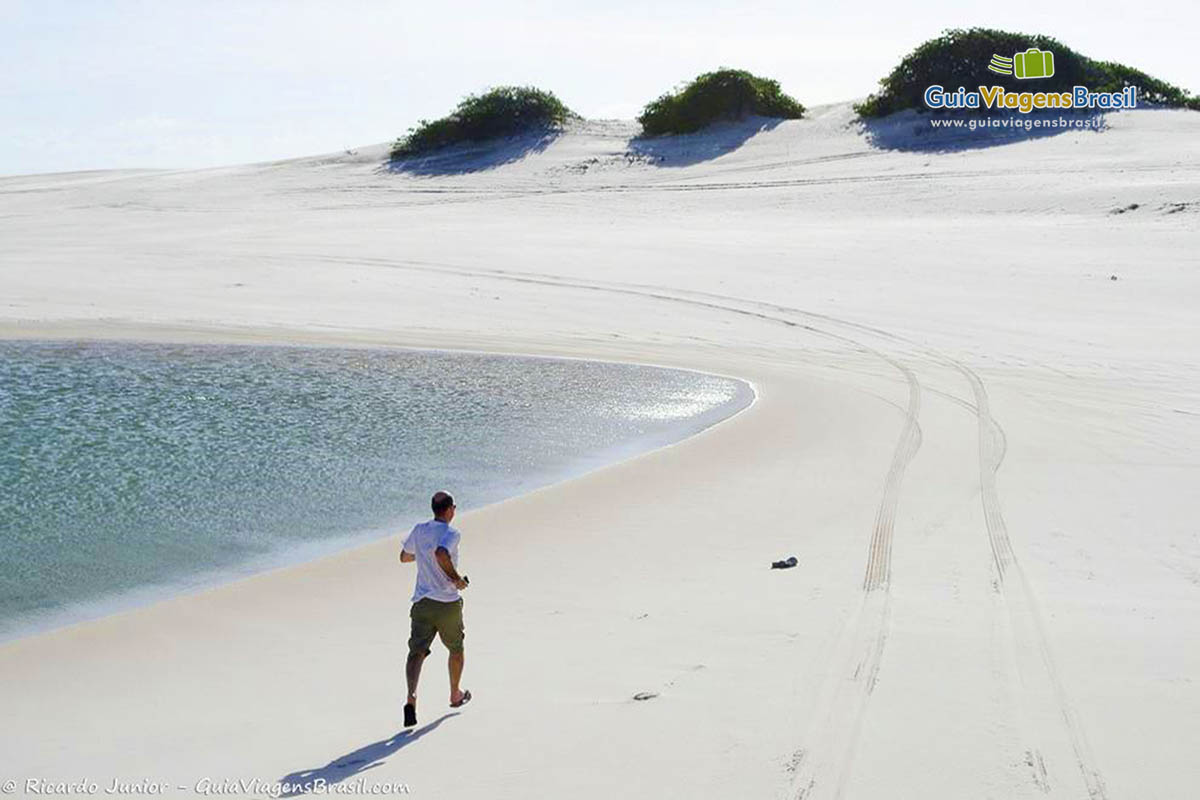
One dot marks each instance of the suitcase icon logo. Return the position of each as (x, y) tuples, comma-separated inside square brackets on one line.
[(1033, 63)]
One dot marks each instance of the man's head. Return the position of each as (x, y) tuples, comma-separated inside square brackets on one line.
[(443, 506)]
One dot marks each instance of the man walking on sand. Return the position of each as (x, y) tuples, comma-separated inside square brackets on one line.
[(437, 605)]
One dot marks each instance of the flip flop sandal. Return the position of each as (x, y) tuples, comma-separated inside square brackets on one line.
[(464, 700)]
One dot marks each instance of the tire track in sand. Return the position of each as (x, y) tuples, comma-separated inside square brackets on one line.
[(1025, 619), (879, 561), (1026, 630), (825, 765)]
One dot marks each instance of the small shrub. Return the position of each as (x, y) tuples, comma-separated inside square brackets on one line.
[(960, 58), (714, 96), (503, 111)]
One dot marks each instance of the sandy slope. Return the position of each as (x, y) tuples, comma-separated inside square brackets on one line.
[(981, 448)]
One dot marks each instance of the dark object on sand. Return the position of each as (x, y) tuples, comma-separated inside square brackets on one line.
[(787, 564), (410, 715), (645, 695)]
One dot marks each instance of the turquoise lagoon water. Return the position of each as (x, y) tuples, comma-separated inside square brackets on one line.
[(131, 471)]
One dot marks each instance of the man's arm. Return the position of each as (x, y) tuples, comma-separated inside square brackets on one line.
[(443, 559), (408, 556)]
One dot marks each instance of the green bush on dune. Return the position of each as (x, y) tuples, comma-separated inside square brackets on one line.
[(503, 111), (714, 96), (960, 58)]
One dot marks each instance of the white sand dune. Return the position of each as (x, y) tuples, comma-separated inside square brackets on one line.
[(981, 448)]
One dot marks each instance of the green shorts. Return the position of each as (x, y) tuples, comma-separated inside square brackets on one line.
[(430, 617)]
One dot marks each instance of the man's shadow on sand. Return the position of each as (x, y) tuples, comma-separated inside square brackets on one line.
[(357, 761)]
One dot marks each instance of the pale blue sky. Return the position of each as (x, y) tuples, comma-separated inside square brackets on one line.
[(87, 85)]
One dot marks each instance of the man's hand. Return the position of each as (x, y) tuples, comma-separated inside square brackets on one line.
[(443, 558)]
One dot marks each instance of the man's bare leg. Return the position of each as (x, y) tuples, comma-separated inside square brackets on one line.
[(456, 668), (412, 670)]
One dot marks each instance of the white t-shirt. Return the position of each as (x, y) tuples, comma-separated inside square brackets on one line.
[(422, 541)]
